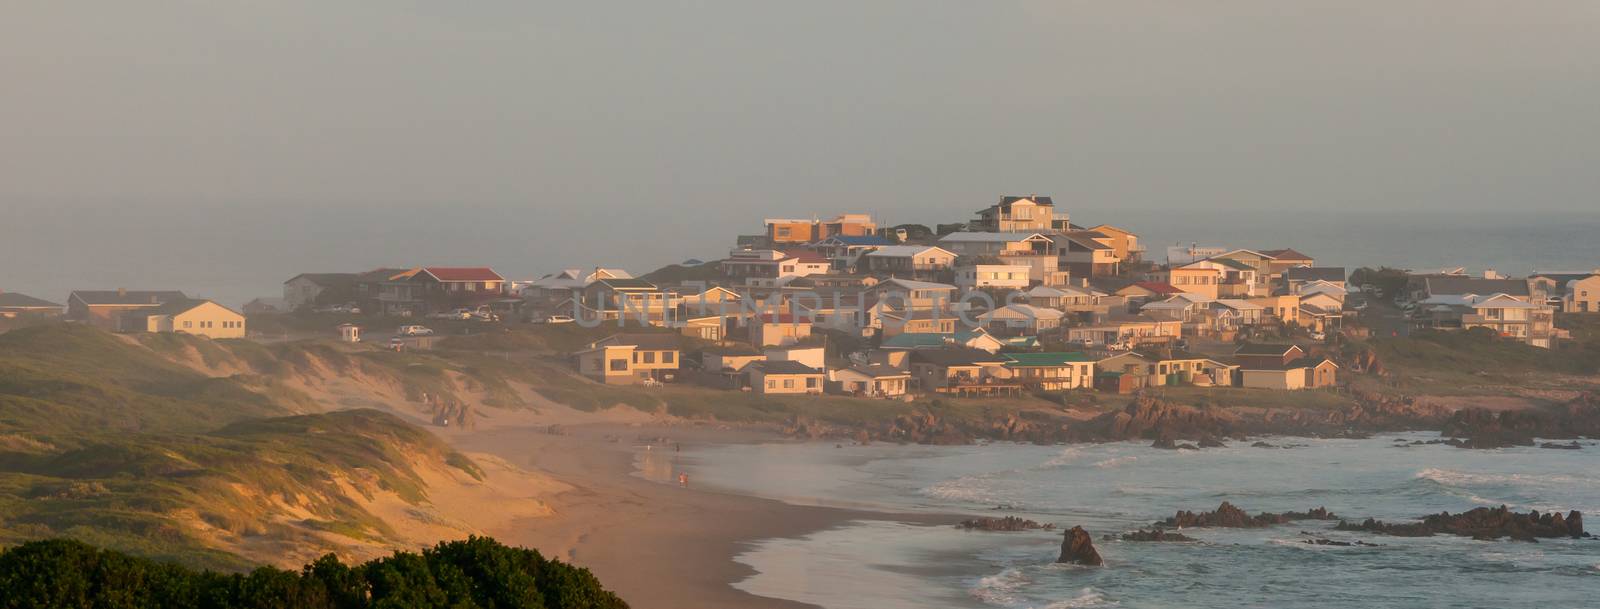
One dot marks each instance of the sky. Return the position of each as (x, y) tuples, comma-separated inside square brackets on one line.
[(223, 146)]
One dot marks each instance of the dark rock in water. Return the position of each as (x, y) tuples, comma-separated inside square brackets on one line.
[(1573, 445), (1211, 442), (1077, 547), (1481, 523), (1491, 440), (1008, 523), (1330, 542), (1152, 535), (1165, 444), (1263, 445), (1228, 516)]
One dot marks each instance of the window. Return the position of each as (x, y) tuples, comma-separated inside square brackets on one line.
[(619, 365), (771, 384), (649, 357), (811, 382), (667, 357), (188, 324), (472, 287), (788, 383)]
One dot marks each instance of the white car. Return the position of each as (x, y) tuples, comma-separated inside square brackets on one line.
[(415, 331), (559, 319)]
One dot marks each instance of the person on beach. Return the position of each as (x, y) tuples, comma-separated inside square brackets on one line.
[(683, 480)]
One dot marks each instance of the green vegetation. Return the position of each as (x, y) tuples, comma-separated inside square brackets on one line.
[(475, 573), (1479, 362)]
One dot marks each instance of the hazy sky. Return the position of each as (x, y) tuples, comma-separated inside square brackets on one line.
[(209, 142)]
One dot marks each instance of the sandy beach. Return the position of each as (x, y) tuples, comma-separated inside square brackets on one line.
[(656, 544)]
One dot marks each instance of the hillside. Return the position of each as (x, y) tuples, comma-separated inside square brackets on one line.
[(217, 454)]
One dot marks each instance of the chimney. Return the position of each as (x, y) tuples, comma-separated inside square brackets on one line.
[(122, 291)]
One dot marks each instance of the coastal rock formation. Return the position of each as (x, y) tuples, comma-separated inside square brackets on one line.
[(1573, 445), (1151, 535), (1481, 523), (1229, 516), (1077, 547), (1480, 428), (1008, 523)]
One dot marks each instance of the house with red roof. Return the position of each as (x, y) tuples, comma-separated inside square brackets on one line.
[(430, 289)]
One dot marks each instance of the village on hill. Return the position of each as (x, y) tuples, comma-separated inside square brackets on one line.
[(1017, 300)]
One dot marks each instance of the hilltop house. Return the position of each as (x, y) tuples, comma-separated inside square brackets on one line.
[(1420, 288), (909, 261), (1015, 214), (105, 309), (432, 289), (1129, 332), (1124, 244), (782, 377), (1284, 367), (1033, 250), (185, 316), (1067, 298), (1021, 319), (628, 300), (1087, 253), (843, 250), (1281, 260), (962, 371), (550, 290), (992, 276), (13, 304), (782, 231), (307, 290), (1301, 275), (1582, 295), (772, 268), (629, 359), (877, 380), (1051, 371), (1505, 315)]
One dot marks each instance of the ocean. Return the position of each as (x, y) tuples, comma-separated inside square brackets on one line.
[(1117, 487)]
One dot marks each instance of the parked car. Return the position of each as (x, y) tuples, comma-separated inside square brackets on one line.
[(415, 331), (558, 319)]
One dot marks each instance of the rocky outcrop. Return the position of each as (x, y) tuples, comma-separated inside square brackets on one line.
[(1331, 542), (1151, 535), (1229, 516), (1480, 428), (1077, 547), (1573, 445), (1481, 523), (1008, 523)]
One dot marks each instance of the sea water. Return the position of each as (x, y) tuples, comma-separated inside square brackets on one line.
[(1117, 487)]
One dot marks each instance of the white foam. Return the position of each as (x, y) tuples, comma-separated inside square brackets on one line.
[(1087, 597), (1449, 477), (1001, 588), (1116, 461), (1066, 457)]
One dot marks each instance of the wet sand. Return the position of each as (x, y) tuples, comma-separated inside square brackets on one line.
[(656, 544)]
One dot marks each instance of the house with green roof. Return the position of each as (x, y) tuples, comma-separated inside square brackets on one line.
[(1058, 371)]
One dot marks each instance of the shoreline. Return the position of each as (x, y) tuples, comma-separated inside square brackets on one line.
[(653, 543)]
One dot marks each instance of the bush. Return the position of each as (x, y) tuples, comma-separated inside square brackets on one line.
[(477, 572)]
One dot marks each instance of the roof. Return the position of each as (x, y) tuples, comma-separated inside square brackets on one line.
[(1006, 201), (23, 301), (977, 237), (803, 255), (126, 297), (1174, 303), (1087, 240), (1239, 305), (859, 240), (181, 305), (956, 356), (911, 284), (1044, 291), (928, 340), (878, 371), (1033, 360), (325, 279), (1316, 273), (783, 367), (1495, 301), (1027, 311), (1227, 262), (1265, 349), (381, 274), (1284, 254), (628, 283), (1457, 285), (463, 273), (1158, 287), (643, 340), (902, 251)]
